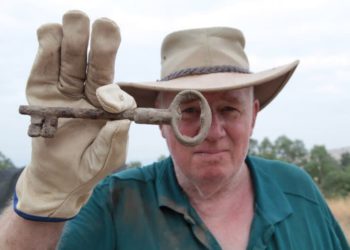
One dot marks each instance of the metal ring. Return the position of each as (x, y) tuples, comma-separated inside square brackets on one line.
[(205, 117)]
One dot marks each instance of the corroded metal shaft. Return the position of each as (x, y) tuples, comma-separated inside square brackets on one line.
[(44, 120)]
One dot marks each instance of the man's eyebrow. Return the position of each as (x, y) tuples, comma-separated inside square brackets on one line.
[(233, 98)]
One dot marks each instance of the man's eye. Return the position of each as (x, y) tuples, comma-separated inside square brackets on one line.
[(190, 114), (228, 109), (190, 110)]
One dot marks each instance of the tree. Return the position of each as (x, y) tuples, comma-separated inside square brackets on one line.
[(133, 164), (253, 147), (320, 164), (283, 149), (266, 149), (337, 184), (5, 162), (290, 151), (345, 160), (161, 157)]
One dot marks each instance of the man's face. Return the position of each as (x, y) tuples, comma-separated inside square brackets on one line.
[(220, 156)]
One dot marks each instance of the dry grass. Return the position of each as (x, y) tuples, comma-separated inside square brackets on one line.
[(340, 209)]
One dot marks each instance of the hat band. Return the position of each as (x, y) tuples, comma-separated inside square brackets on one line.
[(205, 70)]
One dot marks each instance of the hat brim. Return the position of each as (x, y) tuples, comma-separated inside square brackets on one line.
[(267, 84)]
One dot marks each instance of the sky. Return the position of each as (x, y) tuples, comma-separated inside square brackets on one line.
[(313, 107)]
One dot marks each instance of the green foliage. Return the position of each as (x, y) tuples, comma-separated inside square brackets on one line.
[(282, 148), (253, 147), (133, 164), (266, 149), (336, 183), (345, 160), (5, 162), (161, 157), (290, 151), (320, 164)]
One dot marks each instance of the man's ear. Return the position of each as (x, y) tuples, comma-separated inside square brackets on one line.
[(256, 108), (161, 128)]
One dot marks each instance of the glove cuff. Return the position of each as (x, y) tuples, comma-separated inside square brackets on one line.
[(34, 195), (35, 217)]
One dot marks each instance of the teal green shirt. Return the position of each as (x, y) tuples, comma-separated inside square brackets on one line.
[(145, 208)]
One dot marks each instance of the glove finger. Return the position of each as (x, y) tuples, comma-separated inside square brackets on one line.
[(109, 148), (46, 67), (74, 53), (105, 40), (113, 99)]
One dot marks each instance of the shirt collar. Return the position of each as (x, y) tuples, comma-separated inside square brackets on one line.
[(169, 192), (269, 198)]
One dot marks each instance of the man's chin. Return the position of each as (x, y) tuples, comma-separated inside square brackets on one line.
[(211, 174)]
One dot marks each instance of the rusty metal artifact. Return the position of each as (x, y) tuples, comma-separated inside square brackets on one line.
[(44, 119)]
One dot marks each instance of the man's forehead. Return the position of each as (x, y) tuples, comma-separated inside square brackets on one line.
[(239, 94)]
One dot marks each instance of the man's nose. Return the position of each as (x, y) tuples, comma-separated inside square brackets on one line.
[(217, 129)]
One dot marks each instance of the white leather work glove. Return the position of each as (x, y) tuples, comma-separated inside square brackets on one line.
[(64, 169)]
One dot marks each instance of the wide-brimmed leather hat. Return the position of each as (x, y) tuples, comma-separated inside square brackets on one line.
[(209, 59)]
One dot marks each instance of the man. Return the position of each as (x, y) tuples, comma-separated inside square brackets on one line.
[(209, 196)]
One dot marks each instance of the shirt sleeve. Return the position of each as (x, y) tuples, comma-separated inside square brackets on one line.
[(340, 236), (93, 227)]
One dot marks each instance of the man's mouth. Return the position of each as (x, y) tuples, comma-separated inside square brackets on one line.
[(210, 151)]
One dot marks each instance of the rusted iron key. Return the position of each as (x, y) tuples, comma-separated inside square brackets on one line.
[(44, 119)]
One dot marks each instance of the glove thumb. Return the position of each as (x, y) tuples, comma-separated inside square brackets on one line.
[(113, 99)]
